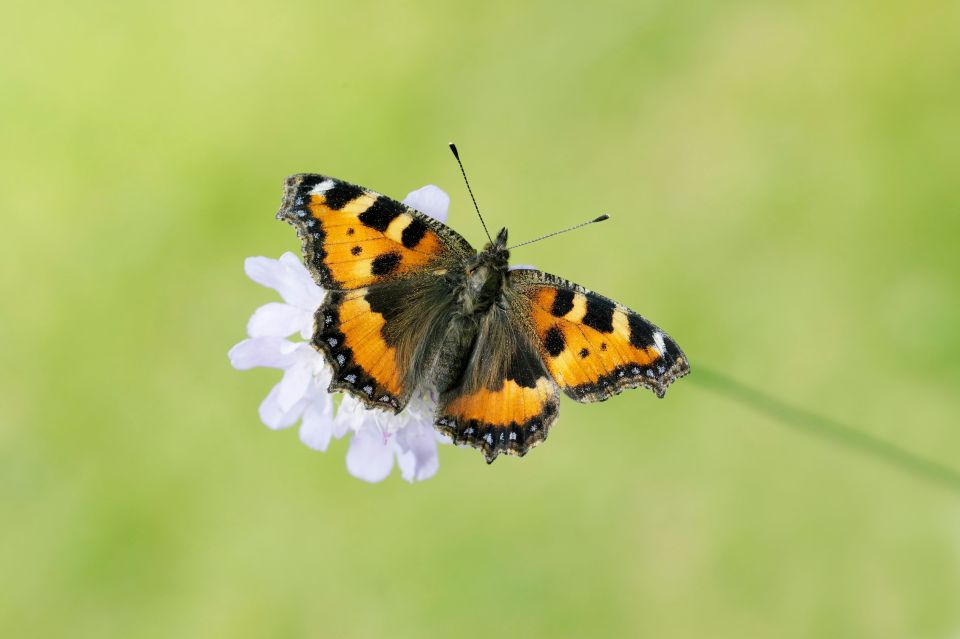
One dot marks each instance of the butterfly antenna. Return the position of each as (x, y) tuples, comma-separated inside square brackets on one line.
[(453, 147), (576, 226)]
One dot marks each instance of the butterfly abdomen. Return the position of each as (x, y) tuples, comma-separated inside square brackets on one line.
[(451, 357)]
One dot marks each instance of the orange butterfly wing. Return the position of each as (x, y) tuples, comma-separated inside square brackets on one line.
[(505, 401), (375, 256), (371, 336), (354, 237), (593, 347)]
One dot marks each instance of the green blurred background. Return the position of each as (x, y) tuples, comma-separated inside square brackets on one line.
[(783, 181)]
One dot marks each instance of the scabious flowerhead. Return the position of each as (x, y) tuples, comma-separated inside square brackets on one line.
[(378, 438)]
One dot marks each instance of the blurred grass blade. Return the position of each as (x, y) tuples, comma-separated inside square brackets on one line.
[(827, 428)]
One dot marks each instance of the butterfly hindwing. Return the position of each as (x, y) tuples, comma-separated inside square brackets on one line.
[(377, 338), (354, 237), (593, 347), (505, 400), (349, 334)]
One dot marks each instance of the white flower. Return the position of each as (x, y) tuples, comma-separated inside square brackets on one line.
[(409, 438), (301, 395)]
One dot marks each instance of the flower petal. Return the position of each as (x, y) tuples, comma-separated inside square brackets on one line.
[(431, 200), (350, 416), (274, 416), (288, 277), (417, 452), (303, 291), (293, 387), (265, 271), (317, 427), (278, 320), (370, 456), (353, 415), (273, 352)]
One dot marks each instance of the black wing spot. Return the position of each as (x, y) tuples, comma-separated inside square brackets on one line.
[(553, 341), (350, 231), (356, 250), (599, 314), (341, 193), (603, 346), (385, 264), (562, 303), (414, 232), (641, 331), (379, 214), (583, 353)]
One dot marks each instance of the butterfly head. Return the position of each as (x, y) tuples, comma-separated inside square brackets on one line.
[(495, 253)]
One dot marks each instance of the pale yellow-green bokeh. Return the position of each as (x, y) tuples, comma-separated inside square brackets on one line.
[(783, 182)]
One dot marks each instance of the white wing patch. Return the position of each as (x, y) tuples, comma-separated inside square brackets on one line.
[(658, 340), (322, 187)]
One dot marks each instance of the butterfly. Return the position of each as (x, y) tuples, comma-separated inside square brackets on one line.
[(413, 307)]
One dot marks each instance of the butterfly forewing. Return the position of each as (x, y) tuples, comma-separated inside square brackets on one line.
[(593, 347), (354, 237)]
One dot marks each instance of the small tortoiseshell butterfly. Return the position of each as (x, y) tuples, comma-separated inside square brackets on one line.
[(412, 306)]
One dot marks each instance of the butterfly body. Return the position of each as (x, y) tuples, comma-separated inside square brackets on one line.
[(485, 277), (412, 307)]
